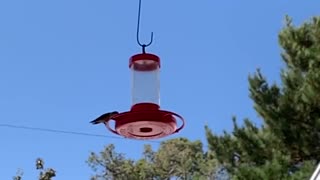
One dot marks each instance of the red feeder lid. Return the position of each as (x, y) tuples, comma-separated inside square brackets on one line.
[(144, 62), (146, 121)]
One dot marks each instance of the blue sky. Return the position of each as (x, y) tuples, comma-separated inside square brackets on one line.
[(65, 62)]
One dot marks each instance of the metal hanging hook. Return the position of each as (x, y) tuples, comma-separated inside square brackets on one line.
[(138, 28)]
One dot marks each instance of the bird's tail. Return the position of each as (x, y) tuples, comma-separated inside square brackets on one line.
[(95, 122)]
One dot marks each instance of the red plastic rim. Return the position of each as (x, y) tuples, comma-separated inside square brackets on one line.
[(145, 107), (144, 62), (144, 124)]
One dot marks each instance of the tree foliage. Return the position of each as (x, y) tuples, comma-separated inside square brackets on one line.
[(44, 174), (287, 145), (176, 158)]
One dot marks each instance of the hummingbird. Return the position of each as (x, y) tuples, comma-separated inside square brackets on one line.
[(104, 117)]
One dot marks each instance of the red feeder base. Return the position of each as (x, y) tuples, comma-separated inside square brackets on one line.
[(145, 121)]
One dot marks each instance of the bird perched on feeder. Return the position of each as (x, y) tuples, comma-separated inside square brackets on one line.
[(104, 117)]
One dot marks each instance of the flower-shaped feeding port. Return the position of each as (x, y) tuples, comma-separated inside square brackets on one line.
[(145, 120)]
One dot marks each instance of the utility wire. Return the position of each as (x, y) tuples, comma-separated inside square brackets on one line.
[(74, 133), (66, 132)]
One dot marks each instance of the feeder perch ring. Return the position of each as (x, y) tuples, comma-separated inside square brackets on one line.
[(146, 124)]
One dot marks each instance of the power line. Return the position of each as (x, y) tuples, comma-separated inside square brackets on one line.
[(74, 133), (66, 132)]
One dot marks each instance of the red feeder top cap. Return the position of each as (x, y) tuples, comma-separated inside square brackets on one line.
[(144, 56)]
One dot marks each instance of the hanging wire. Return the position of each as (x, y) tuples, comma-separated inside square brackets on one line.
[(67, 132), (56, 131), (138, 29)]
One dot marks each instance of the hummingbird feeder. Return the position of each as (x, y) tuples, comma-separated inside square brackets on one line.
[(145, 120)]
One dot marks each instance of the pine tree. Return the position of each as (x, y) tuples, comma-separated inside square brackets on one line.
[(287, 145)]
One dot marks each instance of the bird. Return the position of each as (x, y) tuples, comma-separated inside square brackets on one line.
[(104, 117)]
